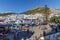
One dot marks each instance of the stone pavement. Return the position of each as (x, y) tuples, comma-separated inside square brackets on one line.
[(39, 31)]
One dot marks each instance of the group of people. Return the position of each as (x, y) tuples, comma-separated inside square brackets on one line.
[(26, 39), (35, 38)]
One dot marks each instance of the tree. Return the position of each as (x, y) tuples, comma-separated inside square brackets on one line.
[(52, 19), (55, 19), (46, 12), (8, 13)]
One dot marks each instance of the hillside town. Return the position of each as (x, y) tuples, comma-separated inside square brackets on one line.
[(31, 26), (22, 17), (29, 20)]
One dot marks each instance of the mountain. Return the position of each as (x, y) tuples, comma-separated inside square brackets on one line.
[(6, 13), (40, 9), (33, 10)]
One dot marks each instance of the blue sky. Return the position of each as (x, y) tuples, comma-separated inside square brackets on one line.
[(19, 6)]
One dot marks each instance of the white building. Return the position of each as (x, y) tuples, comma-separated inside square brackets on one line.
[(23, 16)]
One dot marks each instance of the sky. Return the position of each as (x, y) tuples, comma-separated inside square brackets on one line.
[(19, 6)]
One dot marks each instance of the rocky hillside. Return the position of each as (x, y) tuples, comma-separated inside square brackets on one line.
[(55, 11), (34, 10), (41, 10)]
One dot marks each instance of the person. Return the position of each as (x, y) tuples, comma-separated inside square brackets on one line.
[(39, 27), (27, 39), (40, 35), (44, 33), (22, 39), (35, 38), (27, 30)]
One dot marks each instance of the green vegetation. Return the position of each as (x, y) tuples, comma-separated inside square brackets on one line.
[(33, 11), (55, 19), (44, 10), (4, 14)]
